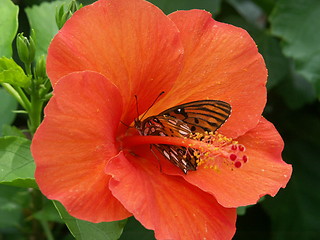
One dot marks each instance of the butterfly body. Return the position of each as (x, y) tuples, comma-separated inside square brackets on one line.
[(182, 121)]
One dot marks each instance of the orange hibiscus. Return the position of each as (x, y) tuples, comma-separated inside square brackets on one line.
[(101, 170)]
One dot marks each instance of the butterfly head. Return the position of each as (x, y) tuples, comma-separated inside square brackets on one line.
[(138, 122), (138, 125)]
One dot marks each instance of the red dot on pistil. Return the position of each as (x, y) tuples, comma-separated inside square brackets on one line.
[(237, 164), (233, 157)]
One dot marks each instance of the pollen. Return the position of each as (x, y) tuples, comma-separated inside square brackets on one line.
[(219, 152)]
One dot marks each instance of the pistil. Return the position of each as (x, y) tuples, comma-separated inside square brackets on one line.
[(212, 150)]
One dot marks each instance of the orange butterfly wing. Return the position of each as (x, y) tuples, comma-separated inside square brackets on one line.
[(201, 116)]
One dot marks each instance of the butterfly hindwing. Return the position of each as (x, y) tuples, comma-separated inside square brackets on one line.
[(179, 156)]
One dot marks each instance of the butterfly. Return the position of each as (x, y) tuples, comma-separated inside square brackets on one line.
[(183, 121)]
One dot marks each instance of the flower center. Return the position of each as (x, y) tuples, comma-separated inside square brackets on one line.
[(218, 150), (212, 150)]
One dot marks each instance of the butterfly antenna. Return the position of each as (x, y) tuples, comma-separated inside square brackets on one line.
[(126, 124), (137, 108), (154, 101)]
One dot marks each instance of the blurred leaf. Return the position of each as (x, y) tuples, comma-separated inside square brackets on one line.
[(12, 200), (7, 106), (241, 210), (83, 230), (86, 2), (169, 6), (266, 5), (295, 211), (16, 163), (311, 70), (8, 130), (12, 73), (296, 91), (249, 11), (21, 182), (134, 230), (8, 26), (42, 20), (297, 23), (255, 224), (277, 63), (48, 213), (10, 212)]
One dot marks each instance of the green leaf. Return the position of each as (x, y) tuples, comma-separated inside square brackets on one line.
[(296, 91), (86, 2), (83, 230), (249, 11), (42, 20), (8, 26), (297, 24), (48, 213), (7, 106), (12, 201), (16, 163), (169, 6), (12, 73), (241, 210), (8, 130), (134, 230), (266, 5)]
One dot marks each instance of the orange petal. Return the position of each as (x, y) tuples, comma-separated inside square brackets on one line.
[(169, 205), (221, 62), (73, 144), (264, 173), (133, 43)]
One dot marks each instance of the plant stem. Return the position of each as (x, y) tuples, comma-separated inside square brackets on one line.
[(46, 229), (37, 205), (36, 109), (27, 104), (28, 69), (23, 100)]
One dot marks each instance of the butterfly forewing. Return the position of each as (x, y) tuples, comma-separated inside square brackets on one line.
[(181, 121), (201, 116)]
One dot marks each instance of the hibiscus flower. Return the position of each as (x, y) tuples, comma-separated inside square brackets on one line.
[(88, 158)]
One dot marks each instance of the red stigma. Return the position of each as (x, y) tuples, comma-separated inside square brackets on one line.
[(234, 147), (233, 157), (241, 148), (237, 164)]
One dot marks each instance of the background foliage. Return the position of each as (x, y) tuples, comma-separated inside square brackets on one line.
[(287, 34)]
